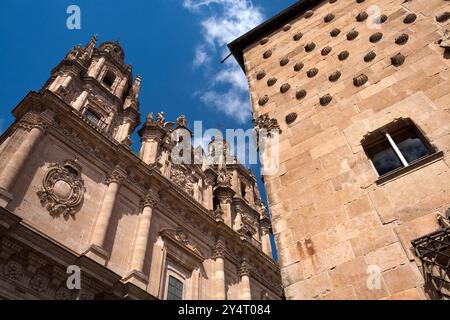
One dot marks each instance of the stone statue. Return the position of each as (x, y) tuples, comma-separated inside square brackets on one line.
[(150, 118), (223, 180), (160, 118)]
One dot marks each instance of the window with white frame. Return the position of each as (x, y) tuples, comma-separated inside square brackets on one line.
[(174, 289), (397, 145)]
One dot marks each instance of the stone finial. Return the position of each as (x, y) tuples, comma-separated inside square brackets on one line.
[(398, 60), (263, 100), (326, 99), (267, 54), (410, 18), (360, 80), (149, 119), (300, 94), (328, 18), (375, 37), (310, 46), (297, 36), (271, 81), (335, 32), (181, 121), (298, 66), (402, 39), (326, 50), (136, 88), (312, 72), (290, 118), (343, 55), (361, 16), (352, 35), (444, 42), (285, 87), (160, 118), (90, 46), (370, 56), (335, 76)]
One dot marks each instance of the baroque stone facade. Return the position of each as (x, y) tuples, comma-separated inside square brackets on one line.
[(73, 193), (366, 78)]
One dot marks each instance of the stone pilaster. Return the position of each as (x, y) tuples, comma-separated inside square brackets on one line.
[(244, 272), (265, 238), (219, 275)]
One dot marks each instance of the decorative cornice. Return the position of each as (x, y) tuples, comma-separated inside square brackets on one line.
[(244, 268)]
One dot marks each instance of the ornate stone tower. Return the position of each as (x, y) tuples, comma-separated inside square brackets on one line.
[(73, 193), (360, 91)]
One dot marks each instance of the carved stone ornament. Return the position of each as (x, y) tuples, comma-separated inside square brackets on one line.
[(312, 72), (261, 74), (361, 16), (402, 39), (343, 55), (297, 36), (335, 32), (244, 268), (300, 94), (443, 16), (381, 19), (264, 41), (271, 81), (219, 250), (287, 27), (332, 1), (326, 50), (298, 66), (375, 37), (263, 122), (62, 189), (410, 18), (335, 76), (370, 56), (181, 121), (360, 1), (325, 100), (263, 100), (310, 47), (352, 35), (291, 117), (160, 118), (267, 54), (284, 61), (285, 87), (328, 18), (224, 179), (360, 80), (398, 60), (308, 14), (444, 42)]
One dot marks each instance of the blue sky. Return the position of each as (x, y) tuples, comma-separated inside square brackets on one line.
[(175, 45)]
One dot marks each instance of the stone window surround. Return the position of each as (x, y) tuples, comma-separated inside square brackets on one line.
[(385, 133), (173, 271), (108, 69)]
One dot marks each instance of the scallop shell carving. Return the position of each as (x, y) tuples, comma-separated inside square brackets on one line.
[(335, 32), (308, 14), (375, 37), (285, 87), (326, 50), (410, 18), (360, 1), (267, 54), (381, 19), (334, 76), (352, 35), (310, 47), (360, 80), (370, 56), (263, 100), (398, 59), (325, 100), (261, 74), (263, 41), (443, 17), (300, 94), (328, 18), (332, 1), (361, 16), (312, 72), (298, 66), (287, 27), (297, 36), (343, 55), (291, 117), (271, 81), (402, 39)]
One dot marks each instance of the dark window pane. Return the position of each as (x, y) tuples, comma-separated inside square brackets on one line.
[(411, 145), (175, 289), (384, 158), (91, 116)]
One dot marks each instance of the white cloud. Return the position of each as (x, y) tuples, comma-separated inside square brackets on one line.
[(222, 22)]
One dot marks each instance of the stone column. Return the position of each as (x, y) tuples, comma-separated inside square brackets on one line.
[(244, 271), (81, 100), (219, 274), (96, 250), (151, 138), (265, 239), (15, 164), (207, 197), (137, 275), (95, 70)]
